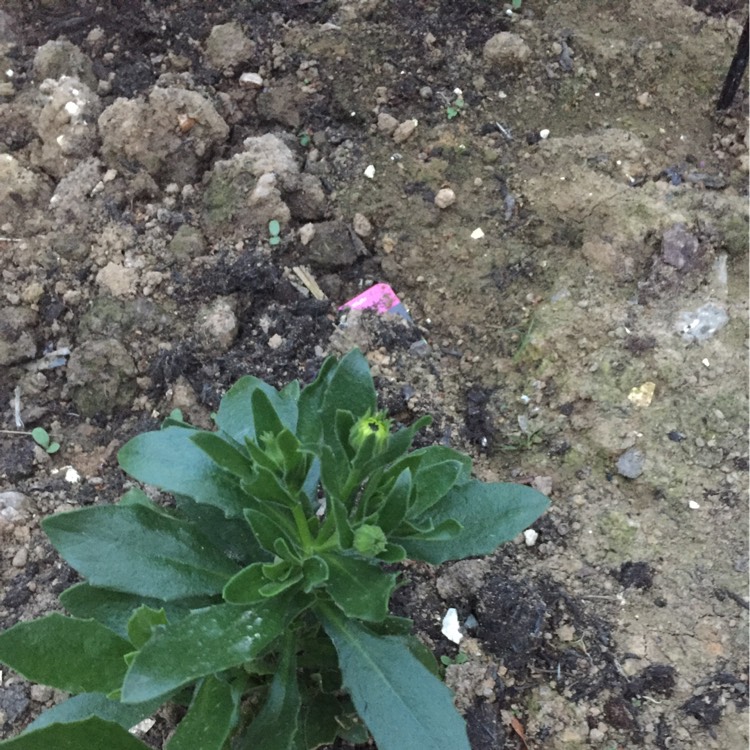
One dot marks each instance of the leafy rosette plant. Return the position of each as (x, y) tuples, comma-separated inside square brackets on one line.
[(257, 601)]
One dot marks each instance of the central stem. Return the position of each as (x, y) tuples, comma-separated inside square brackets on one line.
[(303, 529)]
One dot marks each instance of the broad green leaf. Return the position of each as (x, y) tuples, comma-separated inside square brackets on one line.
[(315, 571), (85, 705), (235, 415), (444, 531), (235, 539), (138, 551), (432, 483), (223, 454), (211, 717), (114, 608), (277, 722), (362, 589), (404, 706), (265, 486), (309, 429), (90, 734), (135, 496), (205, 642), (170, 460), (349, 389), (244, 587), (490, 514), (318, 723), (66, 653), (142, 624)]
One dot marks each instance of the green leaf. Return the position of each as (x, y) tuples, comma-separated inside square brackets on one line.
[(318, 723), (394, 508), (277, 722), (223, 454), (350, 389), (170, 460), (205, 642), (138, 551), (433, 482), (264, 485), (66, 653), (212, 715), (274, 228), (235, 415), (311, 404), (142, 624), (264, 415), (40, 436), (113, 609), (85, 705), (404, 706), (269, 524), (490, 514), (90, 734), (315, 570), (361, 588), (244, 587)]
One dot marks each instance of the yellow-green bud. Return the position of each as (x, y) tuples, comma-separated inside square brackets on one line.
[(370, 424), (369, 540)]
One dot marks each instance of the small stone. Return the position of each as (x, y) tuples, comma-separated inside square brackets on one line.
[(306, 233), (425, 92), (530, 536), (477, 234), (369, 171), (361, 225), (20, 558), (694, 505), (445, 197), (251, 81), (41, 693), (15, 507), (275, 341), (228, 46), (544, 133), (506, 50), (217, 324), (387, 123), (644, 100), (678, 246), (117, 280), (404, 130), (630, 464)]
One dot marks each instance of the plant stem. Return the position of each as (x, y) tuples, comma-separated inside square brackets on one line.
[(14, 432), (303, 529)]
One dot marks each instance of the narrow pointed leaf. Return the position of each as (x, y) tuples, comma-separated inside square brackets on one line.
[(275, 726), (490, 514), (244, 587), (86, 705), (362, 589), (135, 550), (211, 717), (385, 681), (310, 428), (207, 641), (269, 524), (66, 653), (223, 454), (90, 734), (394, 507), (188, 470), (264, 415), (432, 483)]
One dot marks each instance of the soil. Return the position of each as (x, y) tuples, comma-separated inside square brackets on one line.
[(591, 340)]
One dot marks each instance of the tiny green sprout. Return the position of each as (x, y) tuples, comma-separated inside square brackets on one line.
[(454, 109), (274, 229), (516, 4), (461, 658), (40, 436), (304, 140)]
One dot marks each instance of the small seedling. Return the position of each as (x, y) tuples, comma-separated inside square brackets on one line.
[(40, 436), (304, 139), (461, 658), (454, 108), (516, 4), (274, 229)]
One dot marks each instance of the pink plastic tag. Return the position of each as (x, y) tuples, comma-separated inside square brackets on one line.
[(379, 297)]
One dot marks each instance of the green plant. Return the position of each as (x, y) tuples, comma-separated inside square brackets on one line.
[(453, 108), (40, 436), (516, 4), (258, 598), (274, 229)]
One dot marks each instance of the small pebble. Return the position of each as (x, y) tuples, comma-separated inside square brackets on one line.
[(630, 464), (544, 134), (477, 234), (387, 123), (404, 130), (693, 505), (370, 171), (530, 536), (444, 198), (361, 225), (20, 558)]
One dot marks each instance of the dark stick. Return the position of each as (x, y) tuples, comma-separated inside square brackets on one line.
[(736, 70)]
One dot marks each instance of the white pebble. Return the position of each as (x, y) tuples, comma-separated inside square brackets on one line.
[(693, 505), (450, 627), (530, 536), (544, 134), (477, 234), (370, 171), (444, 198), (72, 476)]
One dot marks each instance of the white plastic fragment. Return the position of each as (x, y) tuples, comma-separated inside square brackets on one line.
[(477, 234), (693, 505), (544, 134), (530, 536), (450, 627), (370, 171), (72, 476), (705, 362), (142, 726)]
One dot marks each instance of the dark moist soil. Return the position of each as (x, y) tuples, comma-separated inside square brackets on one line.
[(613, 204)]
